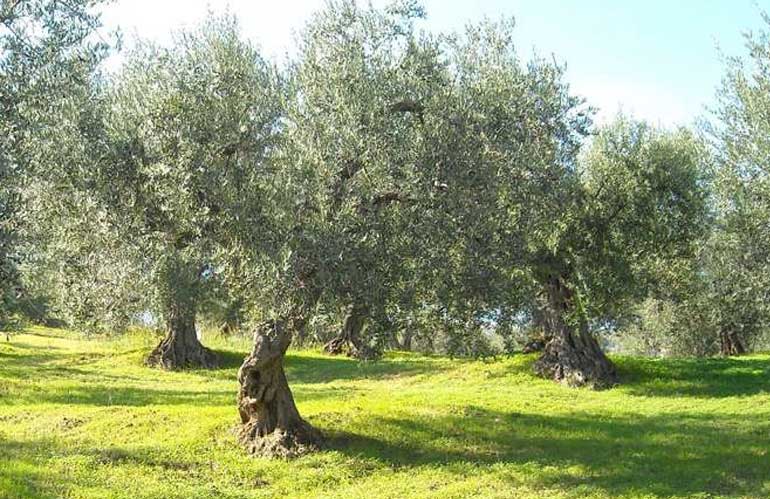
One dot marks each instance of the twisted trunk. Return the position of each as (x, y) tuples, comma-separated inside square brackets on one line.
[(539, 334), (271, 424), (180, 348), (572, 354), (731, 343), (349, 340)]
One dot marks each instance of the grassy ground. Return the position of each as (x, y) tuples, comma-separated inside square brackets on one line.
[(85, 419)]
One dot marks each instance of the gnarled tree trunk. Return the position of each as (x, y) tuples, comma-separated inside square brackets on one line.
[(349, 340), (731, 343), (272, 425), (572, 354), (540, 333), (180, 347)]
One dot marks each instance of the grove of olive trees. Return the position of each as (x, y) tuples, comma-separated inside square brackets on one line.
[(404, 185)]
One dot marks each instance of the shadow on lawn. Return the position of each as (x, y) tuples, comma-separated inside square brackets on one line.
[(308, 370), (26, 470), (661, 456), (100, 394), (305, 369), (22, 475), (702, 378)]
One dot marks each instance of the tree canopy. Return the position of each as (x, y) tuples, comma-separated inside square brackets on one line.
[(385, 180)]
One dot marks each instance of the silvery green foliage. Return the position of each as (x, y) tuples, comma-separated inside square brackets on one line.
[(76, 259), (519, 202), (641, 214), (739, 270), (80, 266), (189, 129), (436, 179), (350, 155), (44, 49), (501, 152), (404, 157)]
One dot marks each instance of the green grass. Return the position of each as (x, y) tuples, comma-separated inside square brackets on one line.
[(84, 419)]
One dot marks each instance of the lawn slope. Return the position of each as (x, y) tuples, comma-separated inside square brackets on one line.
[(85, 419)]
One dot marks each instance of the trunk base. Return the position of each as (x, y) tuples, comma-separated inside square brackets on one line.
[(577, 363), (272, 426), (281, 443), (336, 346), (173, 354), (572, 355), (348, 341), (731, 345), (342, 346)]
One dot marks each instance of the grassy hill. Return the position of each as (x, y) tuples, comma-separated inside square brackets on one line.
[(84, 419)]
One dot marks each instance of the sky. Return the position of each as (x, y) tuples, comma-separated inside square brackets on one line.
[(659, 60)]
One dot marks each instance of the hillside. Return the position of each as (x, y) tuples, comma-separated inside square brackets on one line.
[(85, 419)]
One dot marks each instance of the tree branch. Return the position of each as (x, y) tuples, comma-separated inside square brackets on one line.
[(408, 106), (6, 14)]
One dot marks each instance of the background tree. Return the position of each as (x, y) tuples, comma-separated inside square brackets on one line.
[(529, 217), (741, 270), (44, 49), (77, 266), (187, 131), (639, 200), (499, 137)]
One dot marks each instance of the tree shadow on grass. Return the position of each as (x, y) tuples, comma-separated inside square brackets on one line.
[(701, 378), (24, 475), (101, 394), (105, 394), (26, 471), (661, 456), (318, 369), (84, 385), (33, 355)]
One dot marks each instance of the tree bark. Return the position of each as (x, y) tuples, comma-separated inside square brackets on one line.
[(180, 348), (406, 339), (572, 354), (731, 343), (271, 424), (349, 340)]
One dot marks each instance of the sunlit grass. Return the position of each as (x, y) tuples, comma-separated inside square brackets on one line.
[(84, 418)]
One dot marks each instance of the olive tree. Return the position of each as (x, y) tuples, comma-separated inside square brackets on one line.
[(350, 196), (739, 134), (500, 145), (187, 133), (77, 263), (640, 201), (532, 214), (45, 48)]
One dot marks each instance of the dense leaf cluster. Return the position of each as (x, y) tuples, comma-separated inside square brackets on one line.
[(403, 187)]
